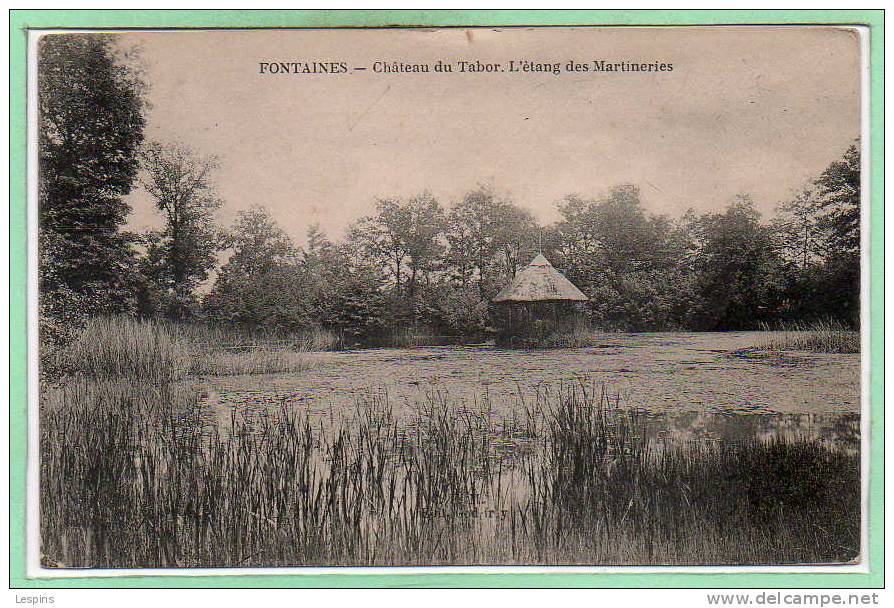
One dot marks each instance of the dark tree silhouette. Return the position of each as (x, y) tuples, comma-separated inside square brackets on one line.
[(90, 108)]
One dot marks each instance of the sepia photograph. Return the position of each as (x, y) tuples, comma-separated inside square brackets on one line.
[(450, 297)]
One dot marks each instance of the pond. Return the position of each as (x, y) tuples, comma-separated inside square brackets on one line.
[(690, 384)]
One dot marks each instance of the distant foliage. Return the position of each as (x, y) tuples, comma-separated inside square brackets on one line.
[(632, 265), (488, 237), (404, 238), (462, 310), (258, 283), (738, 274), (838, 203), (415, 269), (818, 233)]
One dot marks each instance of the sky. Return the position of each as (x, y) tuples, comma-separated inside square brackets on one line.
[(756, 110)]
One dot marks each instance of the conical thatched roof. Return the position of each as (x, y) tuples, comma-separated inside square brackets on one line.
[(537, 282)]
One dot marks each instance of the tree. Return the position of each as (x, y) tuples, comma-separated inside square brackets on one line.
[(404, 237), (838, 220), (632, 265), (837, 279), (739, 273), (258, 283), (320, 251), (343, 289), (90, 113), (614, 231), (486, 239), (258, 244), (518, 239), (818, 235), (838, 204), (797, 230), (184, 252)]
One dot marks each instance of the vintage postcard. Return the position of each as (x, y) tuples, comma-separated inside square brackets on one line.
[(576, 298)]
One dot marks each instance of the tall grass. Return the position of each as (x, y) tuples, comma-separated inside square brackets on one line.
[(110, 347), (162, 351), (578, 335), (413, 336), (240, 338), (136, 476), (249, 361), (827, 336)]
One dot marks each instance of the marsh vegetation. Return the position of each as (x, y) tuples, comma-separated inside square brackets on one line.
[(135, 477), (137, 470), (827, 336), (161, 351)]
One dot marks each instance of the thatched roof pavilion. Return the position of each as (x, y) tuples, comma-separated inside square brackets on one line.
[(538, 303), (539, 281)]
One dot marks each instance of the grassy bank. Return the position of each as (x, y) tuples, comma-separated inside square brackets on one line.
[(161, 351), (132, 475), (817, 337)]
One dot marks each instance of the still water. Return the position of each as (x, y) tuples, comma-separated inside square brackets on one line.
[(685, 385)]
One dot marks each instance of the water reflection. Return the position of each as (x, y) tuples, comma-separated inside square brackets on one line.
[(255, 409), (841, 431), (684, 386)]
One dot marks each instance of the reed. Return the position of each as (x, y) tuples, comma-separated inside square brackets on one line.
[(138, 475), (828, 336), (239, 337), (574, 333), (163, 351), (249, 361), (411, 336), (109, 347)]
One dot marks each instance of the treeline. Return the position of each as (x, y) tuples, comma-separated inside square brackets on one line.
[(415, 262)]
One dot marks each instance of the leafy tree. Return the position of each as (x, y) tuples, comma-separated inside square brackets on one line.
[(818, 235), (320, 252), (345, 291), (359, 305), (183, 253), (839, 219), (404, 237), (269, 282), (90, 113), (739, 271), (797, 231), (258, 244), (518, 238), (487, 240), (838, 194), (461, 310), (258, 285), (614, 231), (622, 259)]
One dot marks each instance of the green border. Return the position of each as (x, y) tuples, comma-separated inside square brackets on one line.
[(22, 20)]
